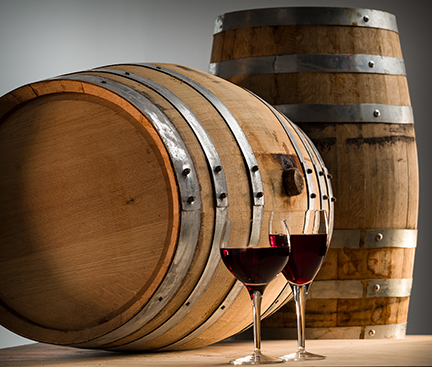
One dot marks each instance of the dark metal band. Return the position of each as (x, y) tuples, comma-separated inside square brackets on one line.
[(374, 238), (350, 113), (354, 289), (319, 168), (389, 331), (326, 177), (306, 15), (308, 63)]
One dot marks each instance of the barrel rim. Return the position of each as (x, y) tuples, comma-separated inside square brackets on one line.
[(100, 88), (278, 16)]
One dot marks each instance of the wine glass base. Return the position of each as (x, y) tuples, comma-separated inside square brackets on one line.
[(302, 356), (256, 359)]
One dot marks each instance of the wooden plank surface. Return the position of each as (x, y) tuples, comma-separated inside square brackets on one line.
[(411, 351)]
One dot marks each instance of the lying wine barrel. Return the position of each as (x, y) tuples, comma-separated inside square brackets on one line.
[(116, 183), (339, 74)]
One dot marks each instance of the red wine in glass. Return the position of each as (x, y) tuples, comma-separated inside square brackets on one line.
[(308, 249), (307, 255), (255, 261), (255, 267)]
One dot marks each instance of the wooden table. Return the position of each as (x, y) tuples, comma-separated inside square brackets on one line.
[(411, 351)]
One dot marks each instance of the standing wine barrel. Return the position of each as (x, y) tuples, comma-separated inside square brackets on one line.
[(116, 183), (339, 74)]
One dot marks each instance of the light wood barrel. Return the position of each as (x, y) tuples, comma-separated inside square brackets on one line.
[(115, 186), (339, 74)]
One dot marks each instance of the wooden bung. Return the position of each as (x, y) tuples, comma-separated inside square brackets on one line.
[(293, 181)]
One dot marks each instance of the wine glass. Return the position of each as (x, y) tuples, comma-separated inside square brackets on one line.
[(309, 243), (255, 262)]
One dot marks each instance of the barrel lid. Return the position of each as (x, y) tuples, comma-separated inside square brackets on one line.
[(357, 17), (88, 209)]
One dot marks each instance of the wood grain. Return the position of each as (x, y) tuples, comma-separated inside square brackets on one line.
[(343, 313), (303, 39), (77, 210), (90, 207), (374, 165), (413, 350)]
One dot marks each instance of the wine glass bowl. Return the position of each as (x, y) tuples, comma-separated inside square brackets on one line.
[(307, 251), (255, 261)]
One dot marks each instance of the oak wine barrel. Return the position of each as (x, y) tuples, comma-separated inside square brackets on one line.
[(116, 183), (339, 75)]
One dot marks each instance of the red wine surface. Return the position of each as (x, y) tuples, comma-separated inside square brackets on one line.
[(255, 266), (307, 255), (278, 240)]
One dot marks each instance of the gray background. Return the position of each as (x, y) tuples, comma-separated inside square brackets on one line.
[(45, 38)]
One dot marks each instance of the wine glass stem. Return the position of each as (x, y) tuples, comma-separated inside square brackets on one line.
[(256, 308), (300, 301)]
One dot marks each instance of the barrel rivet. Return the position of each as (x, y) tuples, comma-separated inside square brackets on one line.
[(379, 237), (371, 332), (309, 171), (376, 288), (333, 199), (127, 73), (218, 169), (223, 195), (329, 176), (255, 168), (325, 197), (191, 199), (321, 173), (371, 64), (366, 18), (377, 113), (186, 171), (313, 195), (260, 194)]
